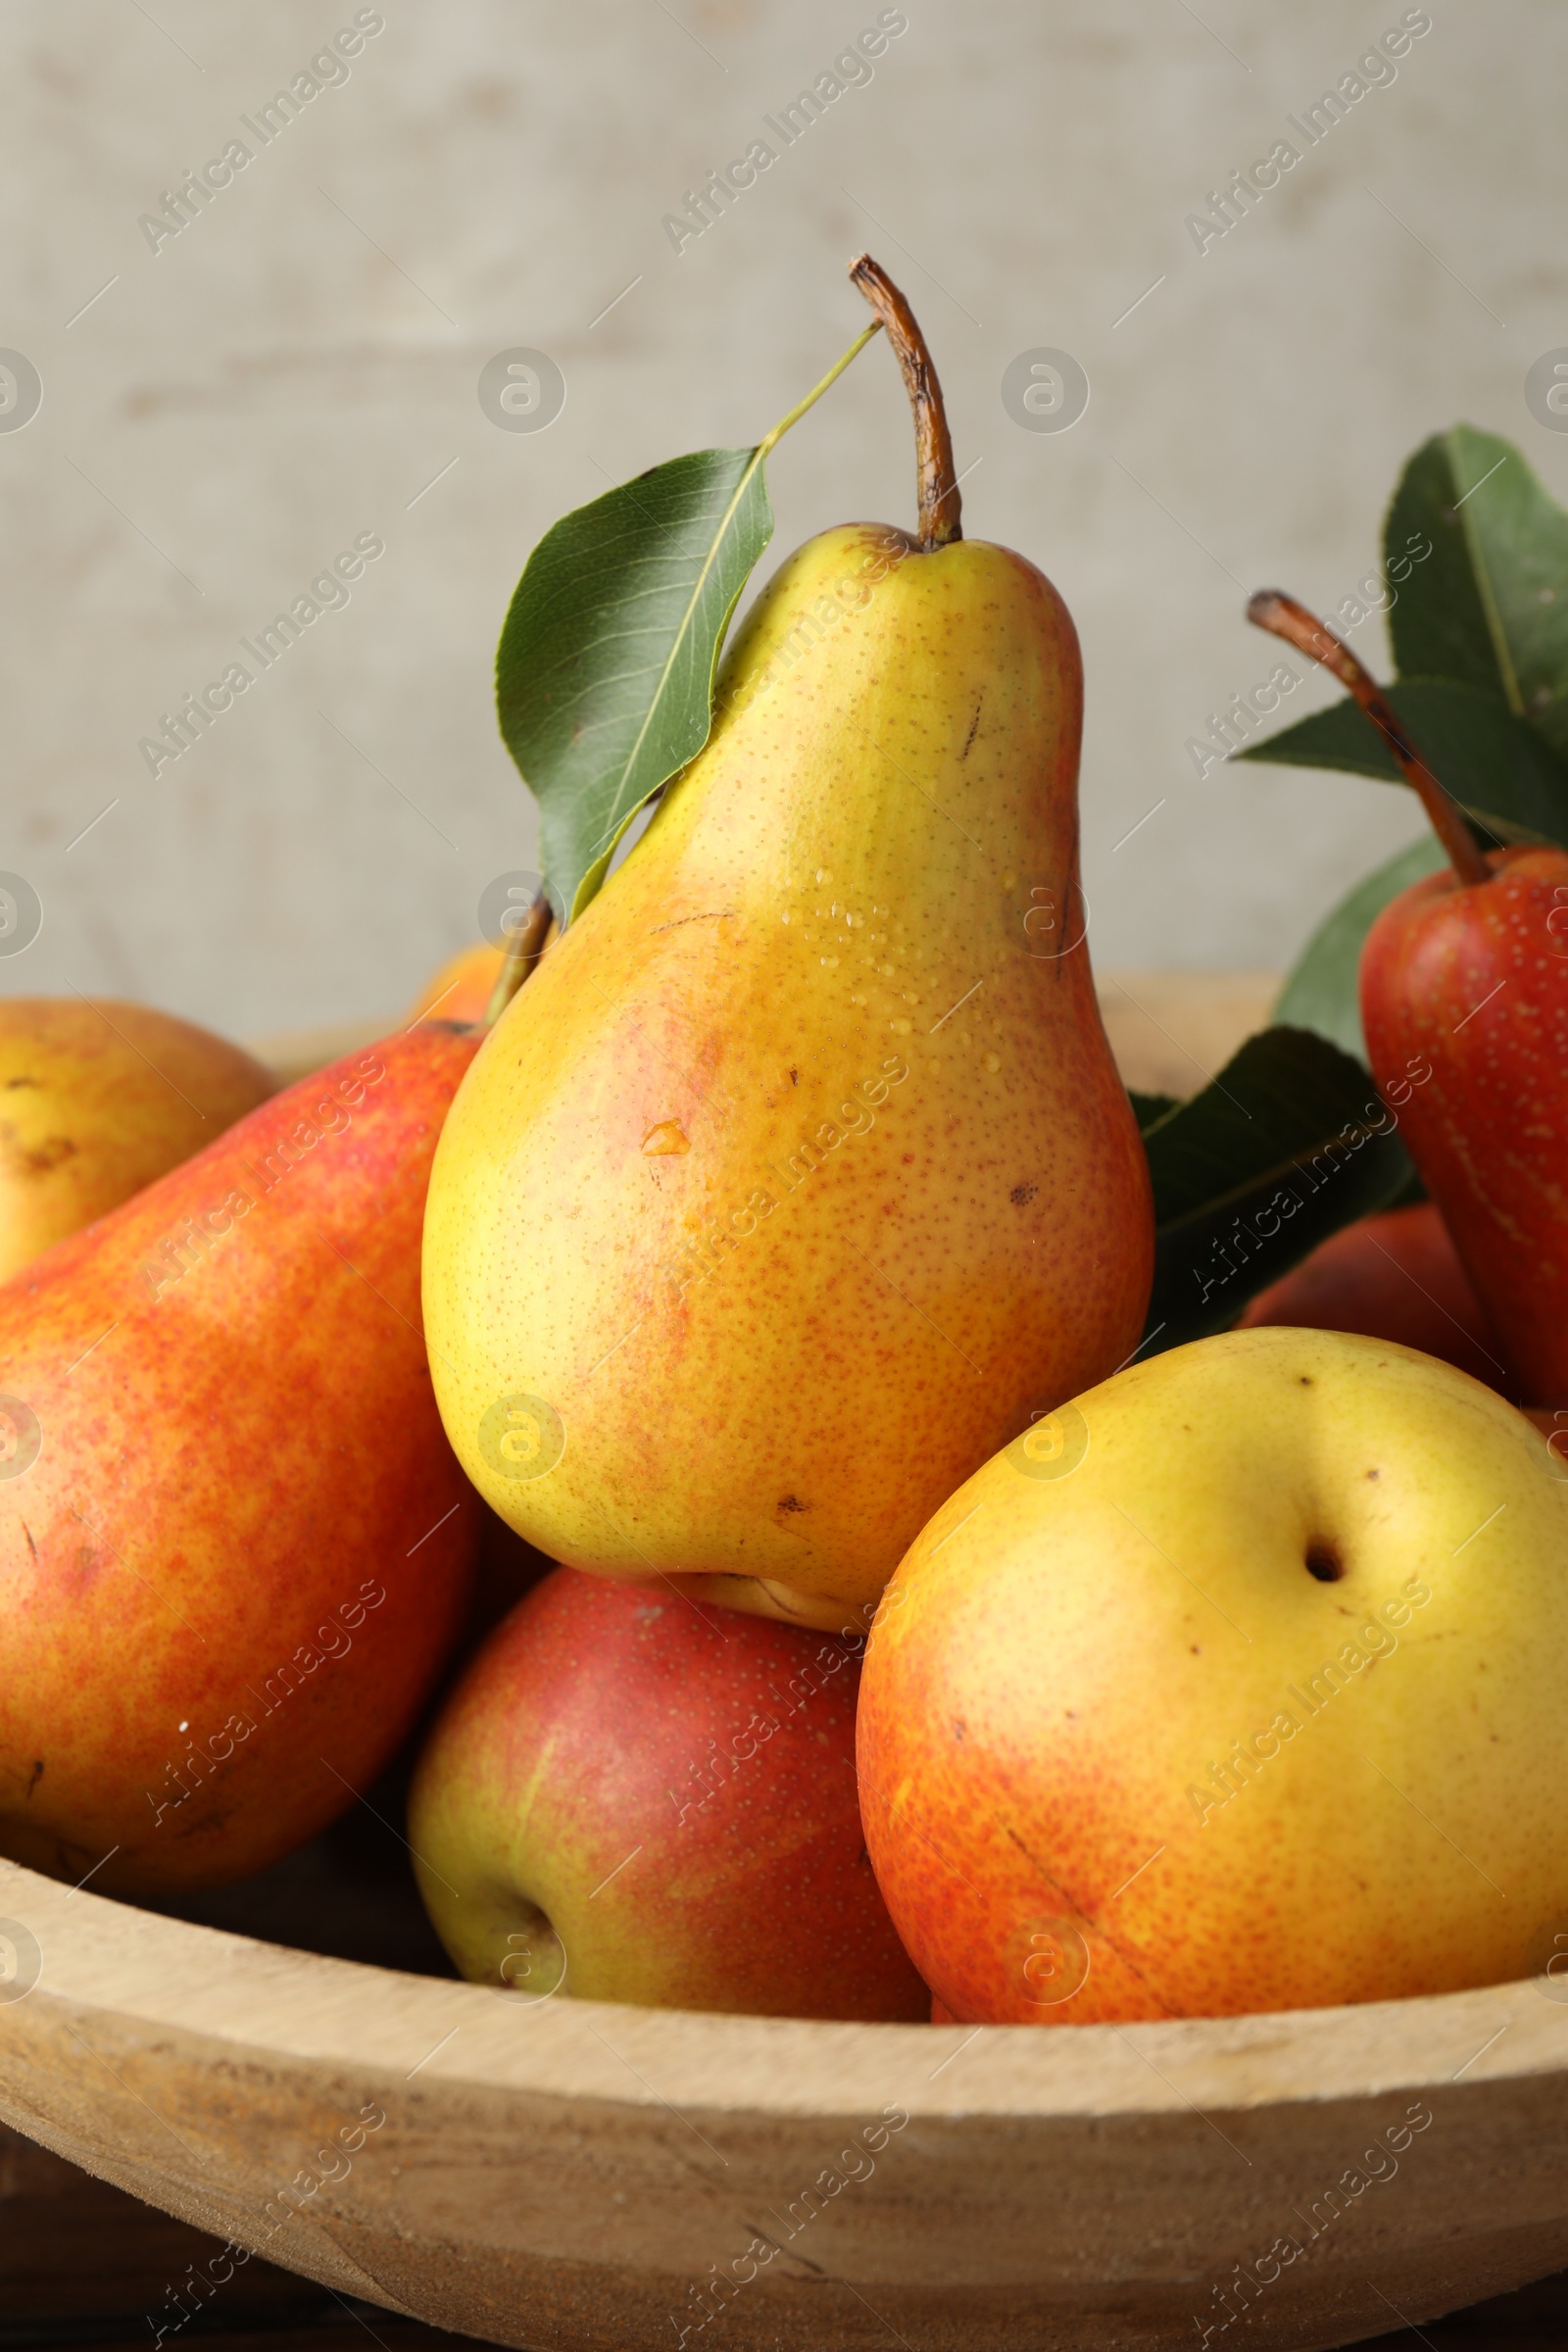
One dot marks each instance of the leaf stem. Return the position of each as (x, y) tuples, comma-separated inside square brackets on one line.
[(1272, 610), (523, 952), (940, 506), (771, 440)]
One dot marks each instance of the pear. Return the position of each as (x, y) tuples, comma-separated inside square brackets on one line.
[(234, 1546), (97, 1100), (461, 988), (799, 1174), (1239, 1689), (463, 985), (1464, 1007), (601, 1722)]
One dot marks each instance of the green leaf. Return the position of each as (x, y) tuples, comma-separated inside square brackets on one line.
[(1496, 766), (1289, 1143), (1490, 607), (606, 666), (1443, 625), (605, 669), (1148, 1109), (1321, 990)]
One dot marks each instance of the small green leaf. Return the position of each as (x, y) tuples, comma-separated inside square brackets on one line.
[(1490, 607), (1322, 990), (605, 669), (1496, 766), (1289, 1143)]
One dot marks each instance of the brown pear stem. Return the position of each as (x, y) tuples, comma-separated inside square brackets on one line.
[(1272, 610), (523, 952), (940, 506)]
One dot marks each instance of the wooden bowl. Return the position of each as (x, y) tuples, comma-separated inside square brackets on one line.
[(571, 2173)]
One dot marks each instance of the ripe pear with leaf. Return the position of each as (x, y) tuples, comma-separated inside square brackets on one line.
[(799, 1174), (1467, 972)]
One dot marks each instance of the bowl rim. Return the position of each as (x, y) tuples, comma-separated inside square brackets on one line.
[(186, 1988)]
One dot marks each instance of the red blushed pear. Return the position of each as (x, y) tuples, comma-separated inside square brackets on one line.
[(632, 1798), (1395, 1276), (1467, 972), (235, 1547)]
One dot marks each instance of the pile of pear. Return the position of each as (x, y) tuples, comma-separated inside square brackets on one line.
[(789, 1245), (795, 1180), (784, 1242)]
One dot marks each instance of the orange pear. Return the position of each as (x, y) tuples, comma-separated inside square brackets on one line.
[(461, 988), (234, 1546)]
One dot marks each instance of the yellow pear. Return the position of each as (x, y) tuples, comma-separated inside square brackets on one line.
[(1235, 1685), (98, 1099), (800, 1173)]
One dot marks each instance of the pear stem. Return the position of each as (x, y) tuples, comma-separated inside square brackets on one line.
[(771, 440), (522, 953), (940, 506), (1272, 610)]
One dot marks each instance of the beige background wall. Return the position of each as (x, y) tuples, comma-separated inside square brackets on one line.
[(296, 365)]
